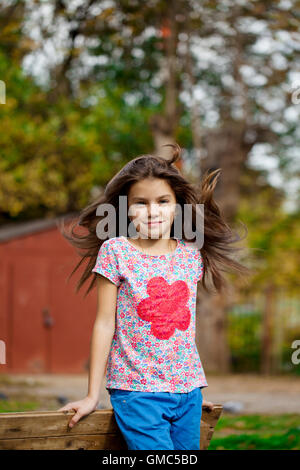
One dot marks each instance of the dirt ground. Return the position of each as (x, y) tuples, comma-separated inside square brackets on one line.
[(254, 393)]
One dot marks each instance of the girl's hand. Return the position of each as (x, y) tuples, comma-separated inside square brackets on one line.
[(82, 408), (207, 404)]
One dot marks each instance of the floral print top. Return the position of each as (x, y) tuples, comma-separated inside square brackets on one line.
[(153, 347)]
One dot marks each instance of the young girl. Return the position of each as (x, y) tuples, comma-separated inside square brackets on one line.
[(143, 340)]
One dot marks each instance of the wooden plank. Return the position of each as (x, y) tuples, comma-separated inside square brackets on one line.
[(75, 442), (211, 416), (98, 430), (205, 435), (55, 423)]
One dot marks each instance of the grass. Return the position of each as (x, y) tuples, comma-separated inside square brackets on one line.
[(257, 432), (26, 402), (7, 406)]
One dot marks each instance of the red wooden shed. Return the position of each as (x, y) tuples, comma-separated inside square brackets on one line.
[(45, 325)]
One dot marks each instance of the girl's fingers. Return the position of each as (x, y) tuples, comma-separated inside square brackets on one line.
[(208, 404), (67, 407), (74, 420)]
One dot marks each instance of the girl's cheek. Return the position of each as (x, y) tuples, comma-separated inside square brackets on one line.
[(136, 213), (140, 214), (168, 214)]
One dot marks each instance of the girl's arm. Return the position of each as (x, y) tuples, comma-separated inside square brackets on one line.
[(103, 332)]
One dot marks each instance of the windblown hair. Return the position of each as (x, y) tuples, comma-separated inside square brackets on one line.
[(218, 236)]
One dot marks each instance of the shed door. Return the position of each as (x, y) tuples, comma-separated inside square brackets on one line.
[(73, 317), (30, 335)]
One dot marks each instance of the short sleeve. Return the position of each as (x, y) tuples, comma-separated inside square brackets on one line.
[(200, 267), (107, 263)]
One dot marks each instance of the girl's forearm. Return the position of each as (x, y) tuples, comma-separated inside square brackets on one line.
[(100, 346)]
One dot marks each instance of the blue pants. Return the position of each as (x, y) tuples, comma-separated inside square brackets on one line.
[(158, 420)]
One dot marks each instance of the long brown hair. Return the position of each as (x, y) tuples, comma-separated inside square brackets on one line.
[(218, 236)]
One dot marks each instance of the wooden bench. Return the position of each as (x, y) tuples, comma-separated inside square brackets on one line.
[(44, 430)]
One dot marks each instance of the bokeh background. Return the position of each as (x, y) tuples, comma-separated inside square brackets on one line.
[(88, 85)]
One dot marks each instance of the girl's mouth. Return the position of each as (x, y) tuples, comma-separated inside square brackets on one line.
[(154, 223)]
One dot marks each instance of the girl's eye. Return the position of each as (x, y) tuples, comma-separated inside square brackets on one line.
[(163, 200)]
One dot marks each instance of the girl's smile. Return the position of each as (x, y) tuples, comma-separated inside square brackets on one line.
[(155, 223)]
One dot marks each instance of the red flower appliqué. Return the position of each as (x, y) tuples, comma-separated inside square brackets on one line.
[(165, 307)]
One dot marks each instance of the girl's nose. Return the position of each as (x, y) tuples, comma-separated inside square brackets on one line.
[(154, 211)]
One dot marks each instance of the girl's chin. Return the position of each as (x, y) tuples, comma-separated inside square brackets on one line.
[(151, 232), (147, 229)]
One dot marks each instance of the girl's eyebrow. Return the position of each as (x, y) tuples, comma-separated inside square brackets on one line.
[(140, 197)]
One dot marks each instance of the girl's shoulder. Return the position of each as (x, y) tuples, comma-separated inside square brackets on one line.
[(192, 246), (112, 240), (192, 250), (112, 243), (116, 244)]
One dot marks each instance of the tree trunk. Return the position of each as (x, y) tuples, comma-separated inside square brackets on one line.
[(163, 126), (267, 331), (211, 332), (226, 150)]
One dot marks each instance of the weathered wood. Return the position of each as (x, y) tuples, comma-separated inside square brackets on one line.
[(75, 442), (41, 430)]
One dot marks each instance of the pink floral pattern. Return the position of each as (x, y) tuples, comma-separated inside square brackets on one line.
[(153, 347), (165, 307)]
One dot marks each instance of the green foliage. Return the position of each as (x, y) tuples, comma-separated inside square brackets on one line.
[(244, 340), (54, 154), (273, 239)]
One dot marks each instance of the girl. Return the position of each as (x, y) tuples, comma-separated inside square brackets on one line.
[(144, 333)]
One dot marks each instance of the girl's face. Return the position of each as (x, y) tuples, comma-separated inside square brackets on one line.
[(152, 200)]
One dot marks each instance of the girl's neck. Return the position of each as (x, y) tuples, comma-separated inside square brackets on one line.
[(158, 246)]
